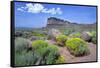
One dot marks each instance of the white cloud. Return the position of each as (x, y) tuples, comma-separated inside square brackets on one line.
[(52, 11), (37, 8)]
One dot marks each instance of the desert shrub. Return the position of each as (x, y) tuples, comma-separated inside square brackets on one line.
[(77, 46), (20, 44), (26, 34), (67, 31), (75, 35), (93, 35), (38, 34), (39, 44), (61, 39), (60, 59), (52, 54), (46, 53), (23, 34), (24, 58), (42, 53)]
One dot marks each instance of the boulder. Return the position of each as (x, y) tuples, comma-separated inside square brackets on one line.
[(86, 36), (34, 38), (29, 43), (18, 34), (53, 33)]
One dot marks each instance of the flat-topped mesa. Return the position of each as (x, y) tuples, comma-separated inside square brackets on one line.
[(56, 21)]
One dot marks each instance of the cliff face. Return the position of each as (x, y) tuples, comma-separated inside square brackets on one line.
[(53, 22), (56, 21)]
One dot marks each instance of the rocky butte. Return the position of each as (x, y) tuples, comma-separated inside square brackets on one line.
[(56, 21), (53, 22)]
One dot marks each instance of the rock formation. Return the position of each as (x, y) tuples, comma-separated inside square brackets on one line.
[(56, 21)]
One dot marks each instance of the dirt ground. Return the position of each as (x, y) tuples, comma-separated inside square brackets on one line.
[(70, 58)]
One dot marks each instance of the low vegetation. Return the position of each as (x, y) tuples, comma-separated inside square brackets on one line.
[(77, 46), (46, 53), (93, 34), (75, 35), (24, 58), (41, 53), (20, 44), (61, 39), (32, 48), (61, 59)]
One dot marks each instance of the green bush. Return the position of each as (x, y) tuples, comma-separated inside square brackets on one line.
[(52, 54), (26, 34), (61, 39), (39, 34), (67, 31), (93, 35), (20, 44), (39, 43), (61, 59), (24, 58), (46, 53), (75, 35), (42, 53), (77, 46)]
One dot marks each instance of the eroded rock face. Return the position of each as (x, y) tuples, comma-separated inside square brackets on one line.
[(53, 33), (56, 21), (86, 36)]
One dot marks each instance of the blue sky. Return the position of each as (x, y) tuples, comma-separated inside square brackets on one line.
[(35, 15)]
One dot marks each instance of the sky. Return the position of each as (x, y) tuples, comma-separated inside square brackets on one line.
[(35, 15)]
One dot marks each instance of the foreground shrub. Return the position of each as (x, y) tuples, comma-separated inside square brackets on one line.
[(39, 43), (46, 53), (52, 54), (93, 35), (61, 59), (20, 44), (61, 39), (24, 58), (77, 46)]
